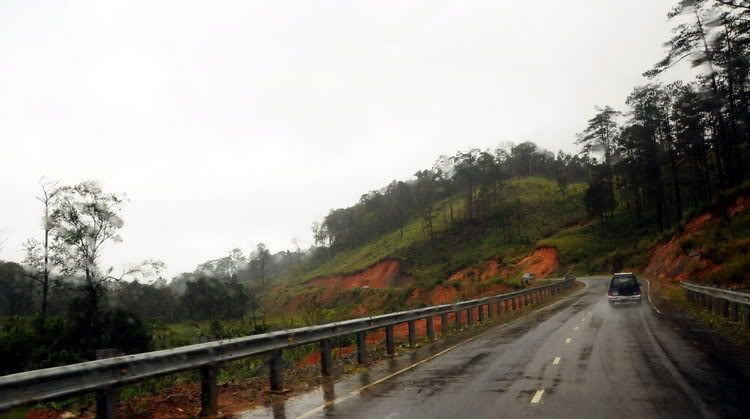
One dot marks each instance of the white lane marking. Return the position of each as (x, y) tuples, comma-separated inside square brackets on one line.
[(588, 312), (583, 319), (567, 340), (556, 361), (575, 328), (537, 396), (648, 287), (355, 392)]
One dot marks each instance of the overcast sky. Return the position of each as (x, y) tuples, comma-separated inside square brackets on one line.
[(231, 123)]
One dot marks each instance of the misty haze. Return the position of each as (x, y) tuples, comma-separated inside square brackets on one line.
[(287, 209)]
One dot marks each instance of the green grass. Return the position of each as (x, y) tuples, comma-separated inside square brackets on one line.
[(459, 244)]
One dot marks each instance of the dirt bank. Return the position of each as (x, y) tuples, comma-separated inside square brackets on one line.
[(679, 259), (385, 274), (487, 278)]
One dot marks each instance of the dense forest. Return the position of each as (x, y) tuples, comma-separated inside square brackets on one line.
[(673, 148)]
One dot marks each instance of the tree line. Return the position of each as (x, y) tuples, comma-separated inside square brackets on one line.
[(61, 299), (676, 146), (463, 187)]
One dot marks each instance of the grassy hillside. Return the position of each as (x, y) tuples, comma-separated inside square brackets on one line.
[(544, 211), (547, 219), (535, 207)]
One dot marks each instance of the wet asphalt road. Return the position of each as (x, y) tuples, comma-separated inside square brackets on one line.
[(578, 358)]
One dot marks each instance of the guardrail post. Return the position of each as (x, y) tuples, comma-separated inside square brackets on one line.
[(361, 348), (444, 323), (746, 315), (724, 307), (512, 304), (106, 399), (390, 340), (499, 308), (326, 358), (412, 333), (209, 391), (430, 329), (481, 313), (277, 371), (470, 316), (490, 313), (717, 305), (735, 311), (457, 316)]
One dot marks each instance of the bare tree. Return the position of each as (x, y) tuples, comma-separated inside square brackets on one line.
[(39, 261), (261, 254), (298, 250)]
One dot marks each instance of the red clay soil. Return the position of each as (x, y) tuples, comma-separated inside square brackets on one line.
[(541, 263), (670, 263), (385, 274), (739, 205)]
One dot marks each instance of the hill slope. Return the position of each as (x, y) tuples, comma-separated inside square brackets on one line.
[(467, 258), (534, 228)]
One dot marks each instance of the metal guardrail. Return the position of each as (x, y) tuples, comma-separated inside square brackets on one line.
[(106, 375), (727, 303)]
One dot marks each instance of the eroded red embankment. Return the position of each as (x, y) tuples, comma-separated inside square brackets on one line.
[(669, 261), (541, 263), (385, 274)]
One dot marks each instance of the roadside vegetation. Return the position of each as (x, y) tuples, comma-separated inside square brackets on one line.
[(658, 187)]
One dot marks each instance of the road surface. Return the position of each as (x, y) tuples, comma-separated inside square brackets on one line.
[(578, 358)]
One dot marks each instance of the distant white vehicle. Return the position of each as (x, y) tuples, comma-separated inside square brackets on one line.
[(528, 277)]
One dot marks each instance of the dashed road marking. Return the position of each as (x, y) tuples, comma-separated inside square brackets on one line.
[(359, 390), (556, 361), (583, 319), (588, 312), (575, 328), (567, 340), (537, 396)]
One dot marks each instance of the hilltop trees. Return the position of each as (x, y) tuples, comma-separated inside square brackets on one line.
[(41, 257), (599, 136), (464, 187), (683, 142)]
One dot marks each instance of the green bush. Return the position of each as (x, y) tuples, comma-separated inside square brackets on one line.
[(730, 273), (687, 245)]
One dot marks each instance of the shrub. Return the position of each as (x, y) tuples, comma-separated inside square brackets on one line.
[(687, 245), (731, 273)]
